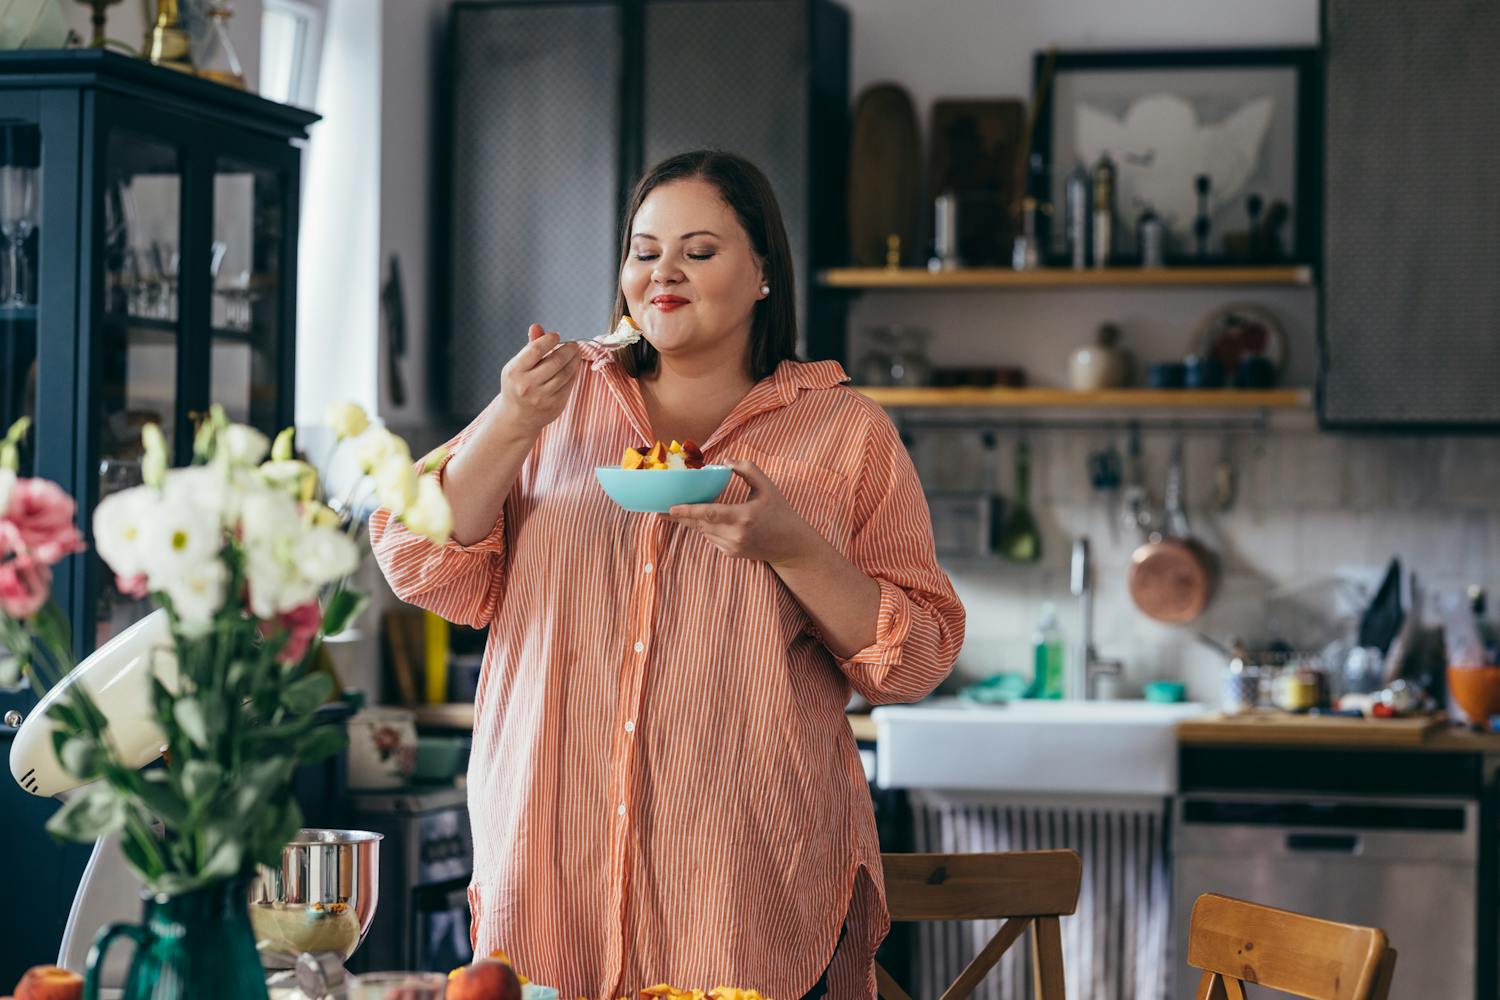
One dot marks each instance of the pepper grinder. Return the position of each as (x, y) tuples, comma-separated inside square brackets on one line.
[(1201, 223), (945, 234), (1104, 210)]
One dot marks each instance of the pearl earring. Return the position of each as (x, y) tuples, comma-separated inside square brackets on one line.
[(765, 289)]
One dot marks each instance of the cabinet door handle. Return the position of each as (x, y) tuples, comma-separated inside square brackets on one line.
[(1338, 843)]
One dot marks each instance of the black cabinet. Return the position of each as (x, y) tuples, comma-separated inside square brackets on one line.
[(155, 249), (160, 276), (1411, 255), (552, 112)]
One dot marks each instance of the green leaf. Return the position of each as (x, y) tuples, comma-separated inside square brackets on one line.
[(201, 781), (325, 741), (305, 695), (189, 715), (342, 609), (81, 757), (89, 815), (65, 716), (157, 794), (225, 860)]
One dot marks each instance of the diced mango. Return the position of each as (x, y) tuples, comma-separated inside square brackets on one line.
[(632, 460)]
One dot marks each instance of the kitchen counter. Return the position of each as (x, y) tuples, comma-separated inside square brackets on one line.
[(1273, 730)]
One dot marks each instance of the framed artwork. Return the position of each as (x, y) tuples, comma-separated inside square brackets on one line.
[(1222, 145)]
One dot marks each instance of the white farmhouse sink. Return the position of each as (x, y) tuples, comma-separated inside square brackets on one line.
[(1066, 747)]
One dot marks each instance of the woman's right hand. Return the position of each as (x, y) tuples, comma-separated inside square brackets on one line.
[(534, 385)]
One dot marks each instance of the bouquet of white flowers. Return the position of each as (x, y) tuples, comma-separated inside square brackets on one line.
[(250, 564)]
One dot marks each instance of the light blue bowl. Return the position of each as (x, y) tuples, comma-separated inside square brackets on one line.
[(655, 491)]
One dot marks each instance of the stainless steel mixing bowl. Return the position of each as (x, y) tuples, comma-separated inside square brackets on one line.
[(322, 896)]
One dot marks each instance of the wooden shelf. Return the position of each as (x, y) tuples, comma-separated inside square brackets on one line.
[(1114, 399), (875, 278)]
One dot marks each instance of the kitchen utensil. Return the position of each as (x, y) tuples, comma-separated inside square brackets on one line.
[(885, 174), (1202, 372), (1224, 483), (321, 897), (1382, 619), (961, 527), (657, 490), (1151, 238), (1104, 477), (1076, 216), (1136, 500), (1170, 578), (945, 256), (1020, 541)]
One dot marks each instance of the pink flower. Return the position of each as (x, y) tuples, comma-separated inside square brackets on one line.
[(25, 582), (43, 514), (301, 624), (132, 586)]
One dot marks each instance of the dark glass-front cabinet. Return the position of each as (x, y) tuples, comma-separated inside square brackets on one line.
[(148, 225), (147, 270)]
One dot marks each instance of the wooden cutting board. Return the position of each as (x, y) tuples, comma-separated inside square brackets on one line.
[(1281, 729), (975, 144), (885, 177)]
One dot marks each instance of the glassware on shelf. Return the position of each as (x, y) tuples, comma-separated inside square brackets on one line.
[(874, 366), (20, 157), (909, 363), (219, 62)]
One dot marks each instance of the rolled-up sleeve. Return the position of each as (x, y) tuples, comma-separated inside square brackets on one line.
[(920, 625), (461, 583)]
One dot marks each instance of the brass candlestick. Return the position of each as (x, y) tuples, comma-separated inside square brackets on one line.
[(99, 7), (167, 42)]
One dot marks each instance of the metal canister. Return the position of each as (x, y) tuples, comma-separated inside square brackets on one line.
[(944, 233), (1151, 235), (1077, 221)]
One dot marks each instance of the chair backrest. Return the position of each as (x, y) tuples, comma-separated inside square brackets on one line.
[(1023, 888), (1236, 942)]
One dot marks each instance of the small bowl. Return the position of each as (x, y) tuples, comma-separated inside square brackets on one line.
[(655, 491), (1476, 690)]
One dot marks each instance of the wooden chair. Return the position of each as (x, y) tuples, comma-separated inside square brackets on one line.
[(1235, 942), (1023, 888)]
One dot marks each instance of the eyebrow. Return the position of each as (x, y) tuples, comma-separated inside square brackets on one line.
[(685, 236)]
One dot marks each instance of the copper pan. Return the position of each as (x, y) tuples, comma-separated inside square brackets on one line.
[(1171, 576)]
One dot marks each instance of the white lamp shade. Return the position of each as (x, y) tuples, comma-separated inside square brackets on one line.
[(117, 676)]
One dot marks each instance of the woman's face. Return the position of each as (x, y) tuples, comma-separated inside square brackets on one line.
[(691, 278)]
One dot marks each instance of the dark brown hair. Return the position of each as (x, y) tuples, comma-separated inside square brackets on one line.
[(773, 325)]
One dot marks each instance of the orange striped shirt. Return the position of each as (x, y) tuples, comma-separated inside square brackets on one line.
[(663, 785)]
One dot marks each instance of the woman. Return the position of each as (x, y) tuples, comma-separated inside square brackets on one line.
[(663, 786)]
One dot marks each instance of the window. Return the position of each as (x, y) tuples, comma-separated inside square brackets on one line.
[(291, 44)]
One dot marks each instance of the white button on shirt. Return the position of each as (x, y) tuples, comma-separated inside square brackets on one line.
[(646, 568), (621, 810), (630, 726), (640, 647)]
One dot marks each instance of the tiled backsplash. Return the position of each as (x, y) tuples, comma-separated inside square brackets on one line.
[(1308, 505)]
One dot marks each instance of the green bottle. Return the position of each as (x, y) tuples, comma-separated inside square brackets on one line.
[(1047, 656)]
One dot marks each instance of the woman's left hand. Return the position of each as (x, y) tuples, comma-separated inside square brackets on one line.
[(764, 527)]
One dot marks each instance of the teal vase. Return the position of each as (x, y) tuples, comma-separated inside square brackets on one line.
[(187, 947)]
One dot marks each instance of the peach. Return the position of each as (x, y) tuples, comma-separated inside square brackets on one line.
[(632, 460), (48, 982), (486, 979)]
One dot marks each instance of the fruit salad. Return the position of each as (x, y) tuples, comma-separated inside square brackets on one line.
[(677, 455)]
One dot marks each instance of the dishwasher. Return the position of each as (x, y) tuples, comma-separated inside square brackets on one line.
[(1407, 865)]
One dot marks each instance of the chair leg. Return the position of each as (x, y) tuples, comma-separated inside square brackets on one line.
[(1216, 987), (1047, 960), (1383, 976), (888, 987)]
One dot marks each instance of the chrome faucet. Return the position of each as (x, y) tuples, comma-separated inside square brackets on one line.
[(1084, 664)]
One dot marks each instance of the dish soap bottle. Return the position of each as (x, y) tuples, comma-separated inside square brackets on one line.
[(1047, 656)]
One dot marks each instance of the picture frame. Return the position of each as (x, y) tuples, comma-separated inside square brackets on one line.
[(1248, 119)]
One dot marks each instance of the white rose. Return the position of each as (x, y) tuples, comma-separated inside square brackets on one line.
[(203, 487), (430, 516), (346, 419), (177, 541), (396, 484), (323, 555), (120, 524), (197, 595), (243, 445), (275, 584), (268, 520), (376, 446), (7, 484)]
